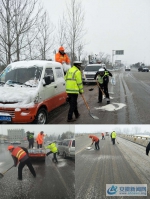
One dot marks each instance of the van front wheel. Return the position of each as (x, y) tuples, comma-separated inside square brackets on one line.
[(41, 117)]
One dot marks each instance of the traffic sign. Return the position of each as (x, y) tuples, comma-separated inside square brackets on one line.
[(119, 52)]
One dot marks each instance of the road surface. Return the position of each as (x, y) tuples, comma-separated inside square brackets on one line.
[(55, 181), (129, 98), (123, 163)]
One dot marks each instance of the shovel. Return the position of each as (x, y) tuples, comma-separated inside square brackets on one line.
[(101, 90), (91, 89), (94, 117), (2, 174)]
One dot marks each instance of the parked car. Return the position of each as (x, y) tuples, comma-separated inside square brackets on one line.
[(66, 148), (29, 90), (90, 71)]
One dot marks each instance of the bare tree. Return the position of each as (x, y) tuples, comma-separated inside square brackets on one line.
[(75, 24), (17, 19), (45, 39)]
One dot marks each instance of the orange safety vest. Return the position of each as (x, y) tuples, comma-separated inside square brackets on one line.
[(39, 138), (94, 138), (19, 153), (60, 58)]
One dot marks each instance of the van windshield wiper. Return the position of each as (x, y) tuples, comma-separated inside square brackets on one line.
[(11, 82)]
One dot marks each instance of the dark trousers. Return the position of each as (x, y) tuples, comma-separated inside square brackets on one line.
[(97, 145), (148, 148), (103, 138), (31, 144), (104, 87), (22, 164), (54, 156), (113, 140), (73, 106), (39, 145)]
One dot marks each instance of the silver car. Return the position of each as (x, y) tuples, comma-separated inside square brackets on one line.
[(67, 148)]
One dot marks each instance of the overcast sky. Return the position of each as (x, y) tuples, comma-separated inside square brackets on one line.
[(48, 129), (109, 128), (112, 25)]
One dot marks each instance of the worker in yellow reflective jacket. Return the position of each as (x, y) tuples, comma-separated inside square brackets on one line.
[(53, 149), (113, 135), (74, 86)]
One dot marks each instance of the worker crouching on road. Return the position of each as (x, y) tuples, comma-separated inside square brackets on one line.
[(103, 137), (113, 135), (20, 154), (74, 86), (53, 149), (148, 148), (40, 139), (96, 140), (102, 77), (30, 138)]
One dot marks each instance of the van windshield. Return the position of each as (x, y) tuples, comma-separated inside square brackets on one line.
[(92, 68), (21, 75)]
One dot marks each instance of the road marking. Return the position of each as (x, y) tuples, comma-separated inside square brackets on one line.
[(111, 107)]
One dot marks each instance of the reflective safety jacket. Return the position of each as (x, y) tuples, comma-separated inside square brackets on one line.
[(62, 58), (40, 138), (73, 80), (94, 138), (30, 136), (19, 154), (113, 135), (52, 147)]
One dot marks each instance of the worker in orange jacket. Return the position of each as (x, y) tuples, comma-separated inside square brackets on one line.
[(20, 154), (61, 56), (103, 137), (96, 140), (40, 139)]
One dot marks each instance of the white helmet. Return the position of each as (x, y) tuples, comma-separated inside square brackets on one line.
[(77, 62), (101, 70)]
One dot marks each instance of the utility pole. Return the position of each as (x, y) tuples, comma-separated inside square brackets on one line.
[(112, 57)]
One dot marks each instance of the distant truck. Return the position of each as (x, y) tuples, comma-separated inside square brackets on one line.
[(127, 68), (29, 90)]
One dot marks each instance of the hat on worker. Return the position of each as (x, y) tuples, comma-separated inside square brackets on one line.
[(101, 70), (10, 147), (77, 62), (61, 48)]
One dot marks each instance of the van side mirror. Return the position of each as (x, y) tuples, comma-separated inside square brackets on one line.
[(47, 80)]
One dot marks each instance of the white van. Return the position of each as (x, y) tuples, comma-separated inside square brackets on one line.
[(90, 71), (31, 89), (127, 68)]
